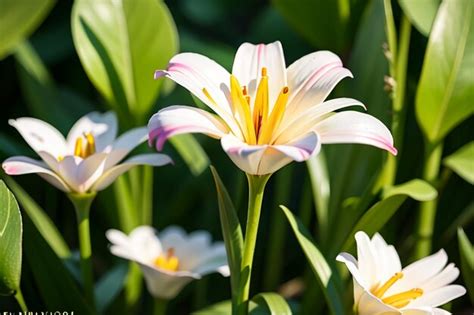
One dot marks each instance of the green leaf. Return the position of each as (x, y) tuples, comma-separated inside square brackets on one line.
[(40, 219), (446, 88), (306, 16), (109, 286), (231, 231), (18, 19), (318, 264), (225, 308), (274, 302), (380, 213), (120, 44), (466, 251), (421, 13), (10, 242), (55, 285), (462, 162), (191, 152)]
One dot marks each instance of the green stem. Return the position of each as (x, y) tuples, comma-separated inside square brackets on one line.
[(159, 306), (391, 34), (256, 189), (427, 214), (21, 301), (82, 204)]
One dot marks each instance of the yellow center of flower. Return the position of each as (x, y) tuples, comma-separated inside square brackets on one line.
[(258, 125), (398, 300), (167, 261), (85, 146)]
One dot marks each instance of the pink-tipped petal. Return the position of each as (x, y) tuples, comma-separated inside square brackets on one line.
[(19, 165), (176, 120), (355, 127)]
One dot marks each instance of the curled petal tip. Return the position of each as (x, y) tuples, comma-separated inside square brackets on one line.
[(159, 73)]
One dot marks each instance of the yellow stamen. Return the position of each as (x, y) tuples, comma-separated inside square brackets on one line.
[(264, 71), (404, 297), (78, 149), (381, 291), (206, 93), (90, 147), (260, 110), (275, 117), (242, 109), (83, 148), (168, 262)]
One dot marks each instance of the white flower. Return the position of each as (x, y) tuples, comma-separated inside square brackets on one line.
[(87, 160), (381, 286), (171, 259), (266, 115)]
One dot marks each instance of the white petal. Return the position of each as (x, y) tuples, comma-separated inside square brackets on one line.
[(213, 260), (370, 305), (355, 127), (19, 165), (439, 311), (388, 262), (124, 144), (116, 237), (418, 311), (249, 61), (40, 135), (176, 120), (196, 72), (267, 159), (311, 79), (352, 266), (445, 277), (367, 262), (102, 126), (143, 159), (175, 237), (439, 296)]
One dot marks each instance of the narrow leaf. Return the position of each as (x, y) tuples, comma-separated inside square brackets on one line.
[(446, 87), (421, 13), (318, 264), (191, 152), (274, 302), (109, 286), (462, 162), (466, 251), (10, 242)]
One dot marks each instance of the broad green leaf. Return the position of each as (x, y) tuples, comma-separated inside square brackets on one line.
[(318, 264), (10, 242), (55, 285), (446, 87), (462, 162), (18, 19), (120, 44), (109, 286), (380, 213), (225, 308), (310, 17), (40, 219), (274, 302), (191, 152), (421, 13), (466, 251), (231, 231)]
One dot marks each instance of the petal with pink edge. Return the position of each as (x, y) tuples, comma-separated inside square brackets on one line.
[(40, 135), (19, 165), (249, 61), (177, 119), (355, 127), (144, 159)]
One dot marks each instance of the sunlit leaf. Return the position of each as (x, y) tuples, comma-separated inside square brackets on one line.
[(446, 87), (274, 302), (18, 19), (10, 242), (421, 13), (462, 162), (466, 251), (318, 264), (120, 44)]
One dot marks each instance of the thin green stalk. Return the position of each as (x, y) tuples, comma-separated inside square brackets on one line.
[(82, 204), (391, 34), (147, 195), (427, 214), (21, 301), (256, 190), (159, 306)]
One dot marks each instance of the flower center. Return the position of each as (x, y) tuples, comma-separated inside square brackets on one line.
[(85, 146), (257, 126), (167, 261), (398, 300)]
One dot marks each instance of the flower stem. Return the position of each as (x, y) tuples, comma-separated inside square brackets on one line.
[(21, 301), (427, 214), (159, 306), (256, 189), (82, 204)]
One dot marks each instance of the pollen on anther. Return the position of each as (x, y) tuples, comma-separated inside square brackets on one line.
[(264, 71)]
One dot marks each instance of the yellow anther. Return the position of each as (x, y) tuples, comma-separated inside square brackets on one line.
[(90, 147), (78, 149), (242, 109), (244, 90), (83, 148), (381, 291), (403, 298), (273, 121), (264, 71), (168, 262)]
